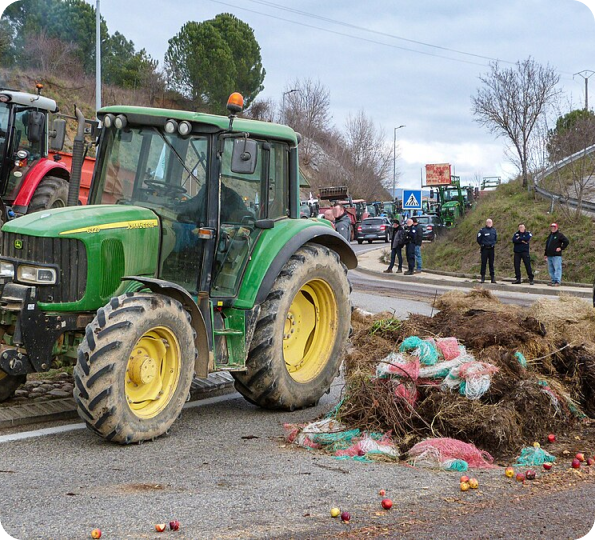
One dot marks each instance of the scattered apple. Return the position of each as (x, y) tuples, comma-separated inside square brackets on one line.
[(382, 493), (576, 463), (464, 479), (530, 474), (509, 472), (174, 525), (345, 517), (548, 465), (536, 445), (580, 456), (590, 461), (387, 504), (551, 437), (520, 477), (160, 527), (96, 533), (473, 483), (464, 486), (335, 512), (361, 452)]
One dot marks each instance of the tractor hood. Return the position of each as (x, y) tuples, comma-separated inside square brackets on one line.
[(92, 248)]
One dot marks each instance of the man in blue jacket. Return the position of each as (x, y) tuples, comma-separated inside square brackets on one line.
[(487, 238), (521, 240)]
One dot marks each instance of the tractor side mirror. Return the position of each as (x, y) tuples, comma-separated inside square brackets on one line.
[(35, 125), (243, 158), (57, 134)]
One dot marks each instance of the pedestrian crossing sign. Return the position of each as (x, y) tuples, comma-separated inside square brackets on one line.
[(412, 199)]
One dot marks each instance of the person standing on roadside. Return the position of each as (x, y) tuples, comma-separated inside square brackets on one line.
[(410, 247), (555, 244), (487, 238), (342, 222), (521, 240), (397, 243), (419, 239)]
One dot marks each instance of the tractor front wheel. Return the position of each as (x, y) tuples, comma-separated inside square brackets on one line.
[(8, 384), (135, 367), (300, 334)]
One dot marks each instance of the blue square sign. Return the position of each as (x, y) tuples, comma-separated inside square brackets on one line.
[(412, 199)]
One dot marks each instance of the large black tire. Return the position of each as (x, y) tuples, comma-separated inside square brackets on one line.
[(8, 384), (137, 344), (303, 326), (51, 192)]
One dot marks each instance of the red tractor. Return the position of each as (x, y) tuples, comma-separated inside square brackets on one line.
[(34, 173)]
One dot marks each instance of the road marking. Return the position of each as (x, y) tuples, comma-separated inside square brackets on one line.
[(74, 427)]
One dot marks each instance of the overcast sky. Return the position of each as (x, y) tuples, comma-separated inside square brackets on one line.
[(360, 51)]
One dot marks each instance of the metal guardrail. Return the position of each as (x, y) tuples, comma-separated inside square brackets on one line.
[(585, 205)]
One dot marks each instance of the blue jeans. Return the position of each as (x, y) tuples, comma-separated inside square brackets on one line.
[(396, 252), (554, 267), (418, 257)]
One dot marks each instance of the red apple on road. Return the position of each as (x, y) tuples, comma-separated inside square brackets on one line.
[(96, 533), (174, 525), (520, 477), (580, 456), (530, 474), (590, 461), (576, 464), (551, 437), (382, 493), (547, 465), (387, 504), (345, 517), (160, 527), (464, 479)]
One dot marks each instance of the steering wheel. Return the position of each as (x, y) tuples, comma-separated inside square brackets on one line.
[(164, 187)]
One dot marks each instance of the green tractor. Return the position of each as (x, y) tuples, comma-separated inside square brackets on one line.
[(190, 258)]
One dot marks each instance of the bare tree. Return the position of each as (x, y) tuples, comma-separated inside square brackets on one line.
[(51, 55), (512, 100), (366, 157), (261, 109)]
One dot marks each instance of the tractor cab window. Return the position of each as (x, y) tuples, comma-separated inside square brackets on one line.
[(245, 198), (4, 117)]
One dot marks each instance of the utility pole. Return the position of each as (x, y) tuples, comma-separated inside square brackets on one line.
[(97, 57), (395, 162), (586, 74)]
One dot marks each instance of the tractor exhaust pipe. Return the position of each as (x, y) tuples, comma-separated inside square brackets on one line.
[(78, 157)]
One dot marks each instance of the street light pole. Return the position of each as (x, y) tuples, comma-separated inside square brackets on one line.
[(284, 94), (395, 161), (97, 57)]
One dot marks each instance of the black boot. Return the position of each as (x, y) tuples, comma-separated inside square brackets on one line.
[(516, 282), (493, 280)]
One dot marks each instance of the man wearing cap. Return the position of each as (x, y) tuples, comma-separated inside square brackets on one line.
[(554, 245)]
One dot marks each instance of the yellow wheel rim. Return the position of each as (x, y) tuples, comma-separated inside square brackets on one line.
[(3, 375), (153, 372), (310, 330)]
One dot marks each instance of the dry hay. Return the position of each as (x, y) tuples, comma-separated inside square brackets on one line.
[(515, 411)]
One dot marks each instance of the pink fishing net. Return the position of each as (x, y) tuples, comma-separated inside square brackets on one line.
[(440, 450)]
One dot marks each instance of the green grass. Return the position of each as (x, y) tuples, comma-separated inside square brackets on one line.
[(509, 205)]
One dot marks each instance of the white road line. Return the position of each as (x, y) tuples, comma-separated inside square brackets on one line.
[(73, 427)]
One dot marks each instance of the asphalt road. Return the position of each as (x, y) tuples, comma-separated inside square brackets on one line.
[(225, 471)]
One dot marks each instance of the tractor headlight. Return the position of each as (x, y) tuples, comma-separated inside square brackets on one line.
[(6, 269), (171, 126), (184, 128), (34, 274)]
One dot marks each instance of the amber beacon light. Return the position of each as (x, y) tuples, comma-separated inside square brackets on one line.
[(235, 103)]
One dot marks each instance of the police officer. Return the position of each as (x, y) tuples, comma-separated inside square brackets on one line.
[(410, 231), (521, 240), (487, 238)]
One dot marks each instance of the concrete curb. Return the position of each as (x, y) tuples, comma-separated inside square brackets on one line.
[(217, 384)]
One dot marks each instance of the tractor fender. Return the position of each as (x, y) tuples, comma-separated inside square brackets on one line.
[(36, 174), (319, 234), (174, 291)]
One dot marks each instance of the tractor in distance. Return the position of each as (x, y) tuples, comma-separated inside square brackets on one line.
[(189, 258), (34, 172)]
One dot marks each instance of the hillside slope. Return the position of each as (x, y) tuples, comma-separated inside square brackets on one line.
[(509, 205)]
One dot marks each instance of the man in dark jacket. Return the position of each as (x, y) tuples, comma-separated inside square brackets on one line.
[(521, 240), (397, 243), (487, 238), (554, 245), (410, 232), (419, 238), (342, 222)]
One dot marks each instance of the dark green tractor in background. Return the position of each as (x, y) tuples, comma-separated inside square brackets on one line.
[(190, 258)]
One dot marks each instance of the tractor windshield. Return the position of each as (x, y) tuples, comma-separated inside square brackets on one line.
[(4, 116)]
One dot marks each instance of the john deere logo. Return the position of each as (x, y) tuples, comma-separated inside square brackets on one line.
[(18, 244)]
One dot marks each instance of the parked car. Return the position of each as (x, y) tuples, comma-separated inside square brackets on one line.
[(431, 226), (370, 229)]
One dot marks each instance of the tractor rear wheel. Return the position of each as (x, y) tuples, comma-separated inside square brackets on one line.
[(300, 334), (135, 367), (52, 192), (8, 384)]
